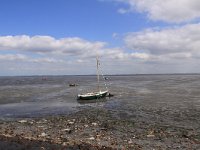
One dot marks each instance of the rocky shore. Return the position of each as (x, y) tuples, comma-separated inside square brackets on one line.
[(94, 129)]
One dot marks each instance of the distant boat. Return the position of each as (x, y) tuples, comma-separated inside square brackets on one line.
[(73, 84), (94, 95)]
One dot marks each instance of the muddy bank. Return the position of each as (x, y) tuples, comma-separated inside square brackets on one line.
[(95, 128), (19, 143)]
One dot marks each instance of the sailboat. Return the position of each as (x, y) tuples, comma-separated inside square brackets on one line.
[(94, 95)]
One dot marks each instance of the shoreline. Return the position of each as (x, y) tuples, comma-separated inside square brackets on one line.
[(95, 128)]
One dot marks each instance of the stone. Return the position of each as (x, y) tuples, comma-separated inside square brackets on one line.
[(22, 121)]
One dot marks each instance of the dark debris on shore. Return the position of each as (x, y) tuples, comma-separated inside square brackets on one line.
[(93, 129)]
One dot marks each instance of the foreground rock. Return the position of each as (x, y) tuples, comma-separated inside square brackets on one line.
[(95, 129)]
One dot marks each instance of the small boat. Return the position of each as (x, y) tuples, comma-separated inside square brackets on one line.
[(73, 84), (94, 95)]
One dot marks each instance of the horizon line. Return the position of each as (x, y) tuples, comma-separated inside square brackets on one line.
[(131, 74)]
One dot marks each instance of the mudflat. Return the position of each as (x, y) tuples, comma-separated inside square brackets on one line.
[(146, 112)]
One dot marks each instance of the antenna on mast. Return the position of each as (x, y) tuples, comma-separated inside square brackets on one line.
[(97, 58)]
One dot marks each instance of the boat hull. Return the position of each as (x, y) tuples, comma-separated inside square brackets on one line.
[(91, 96)]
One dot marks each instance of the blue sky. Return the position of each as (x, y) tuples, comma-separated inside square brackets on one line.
[(50, 37), (90, 19)]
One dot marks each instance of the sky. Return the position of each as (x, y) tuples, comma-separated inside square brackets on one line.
[(63, 37)]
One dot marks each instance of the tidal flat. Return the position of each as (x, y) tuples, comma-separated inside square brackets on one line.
[(146, 112)]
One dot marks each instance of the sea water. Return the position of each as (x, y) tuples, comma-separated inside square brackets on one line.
[(166, 98)]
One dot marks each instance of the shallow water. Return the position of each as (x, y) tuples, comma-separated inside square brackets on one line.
[(169, 99)]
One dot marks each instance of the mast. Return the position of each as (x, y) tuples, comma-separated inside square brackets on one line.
[(98, 87)]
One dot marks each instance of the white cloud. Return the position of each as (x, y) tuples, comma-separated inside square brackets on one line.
[(183, 42), (13, 57), (173, 11), (24, 58), (47, 55), (171, 50), (153, 51), (46, 60), (137, 55), (57, 48), (48, 44)]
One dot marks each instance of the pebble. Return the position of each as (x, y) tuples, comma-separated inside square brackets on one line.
[(31, 122), (130, 141), (71, 122), (91, 138), (94, 124), (150, 135), (64, 143), (67, 130), (85, 125), (43, 134), (22, 121)]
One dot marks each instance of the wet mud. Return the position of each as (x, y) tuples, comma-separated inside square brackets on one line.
[(95, 129), (160, 112)]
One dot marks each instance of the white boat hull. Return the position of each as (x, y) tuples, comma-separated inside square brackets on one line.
[(90, 96)]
